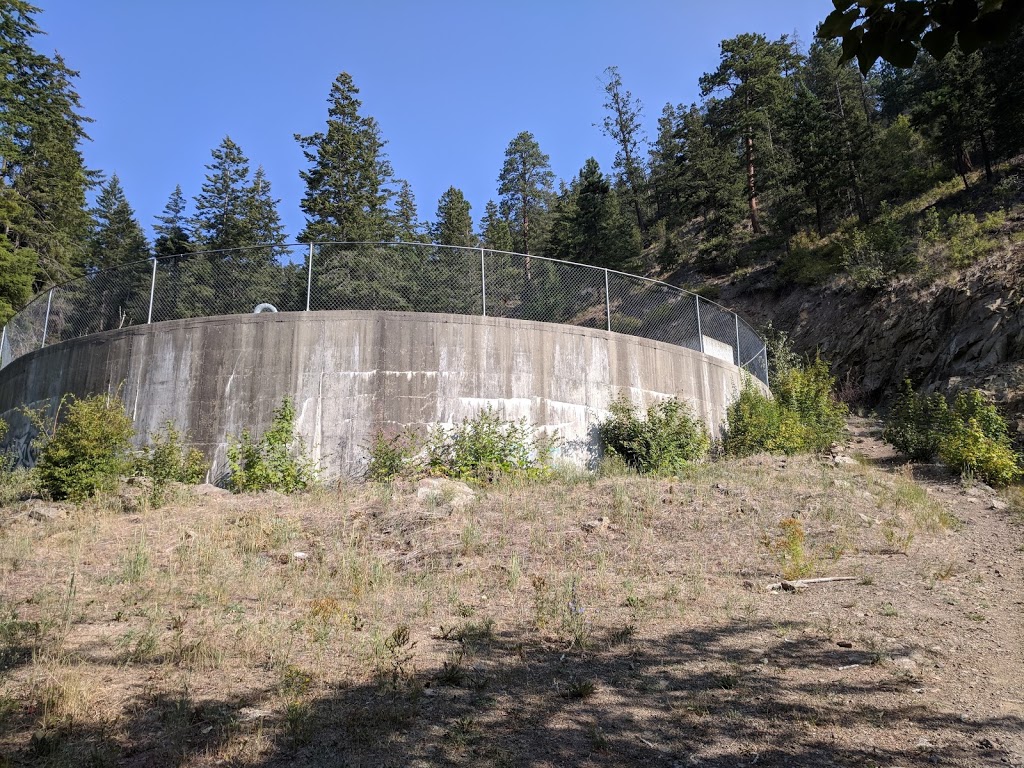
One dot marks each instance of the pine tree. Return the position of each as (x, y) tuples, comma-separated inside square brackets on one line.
[(43, 178), (117, 238), (347, 191), (220, 207), (494, 229), (405, 217), (710, 184), (237, 226), (605, 238), (453, 225), (525, 188), (173, 234), (623, 125), (753, 75)]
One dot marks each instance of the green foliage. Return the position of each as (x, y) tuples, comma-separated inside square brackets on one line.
[(970, 437), (89, 450), (665, 439), (917, 422), (487, 446), (347, 182), (970, 451), (809, 392), (810, 261), (874, 253), (392, 457), (275, 461), (166, 460), (804, 416)]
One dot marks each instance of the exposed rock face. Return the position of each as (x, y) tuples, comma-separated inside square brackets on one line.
[(965, 330)]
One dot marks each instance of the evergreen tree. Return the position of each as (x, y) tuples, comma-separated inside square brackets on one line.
[(494, 229), (237, 226), (406, 221), (589, 225), (665, 155), (43, 179), (347, 191), (453, 225), (709, 184), (525, 188), (173, 234), (622, 124), (117, 238), (753, 76)]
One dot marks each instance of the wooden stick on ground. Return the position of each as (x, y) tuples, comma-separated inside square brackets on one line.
[(793, 586)]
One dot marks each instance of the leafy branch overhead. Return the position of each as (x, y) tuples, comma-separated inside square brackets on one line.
[(898, 31)]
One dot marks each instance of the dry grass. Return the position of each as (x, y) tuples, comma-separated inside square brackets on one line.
[(260, 630)]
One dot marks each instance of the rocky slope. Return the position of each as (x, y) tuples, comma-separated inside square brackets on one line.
[(964, 329)]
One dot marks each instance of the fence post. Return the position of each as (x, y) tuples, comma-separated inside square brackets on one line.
[(152, 290), (309, 276), (607, 300), (483, 282), (3, 343), (46, 322), (764, 351), (738, 359), (700, 333)]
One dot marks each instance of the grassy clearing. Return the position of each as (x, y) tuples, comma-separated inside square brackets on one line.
[(585, 620)]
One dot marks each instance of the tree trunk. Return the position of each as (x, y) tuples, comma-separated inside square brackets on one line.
[(985, 156), (818, 216), (755, 224)]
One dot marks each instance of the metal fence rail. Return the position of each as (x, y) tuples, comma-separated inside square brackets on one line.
[(416, 277)]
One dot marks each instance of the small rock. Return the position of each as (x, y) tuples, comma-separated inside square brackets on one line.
[(999, 505), (844, 460), (600, 524), (845, 644), (299, 556), (454, 492), (44, 512)]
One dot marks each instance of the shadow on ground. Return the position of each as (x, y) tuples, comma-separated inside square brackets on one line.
[(715, 697)]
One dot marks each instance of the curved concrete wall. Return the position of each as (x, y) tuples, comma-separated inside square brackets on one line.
[(350, 373)]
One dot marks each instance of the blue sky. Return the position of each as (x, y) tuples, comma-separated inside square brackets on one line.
[(450, 83)]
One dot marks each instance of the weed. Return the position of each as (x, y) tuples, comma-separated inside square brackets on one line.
[(789, 548), (897, 539), (579, 688), (486, 447), (166, 460), (275, 461), (665, 440), (135, 564), (393, 456)]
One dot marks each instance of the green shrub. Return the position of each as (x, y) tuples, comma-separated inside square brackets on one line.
[(275, 461), (392, 457), (758, 424), (809, 392), (969, 451), (665, 439), (166, 460), (804, 415), (88, 451), (487, 446), (916, 423), (970, 438)]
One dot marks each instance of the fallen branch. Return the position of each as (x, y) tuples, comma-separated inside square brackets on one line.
[(793, 586)]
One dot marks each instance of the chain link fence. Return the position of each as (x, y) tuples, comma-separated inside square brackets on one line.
[(412, 277)]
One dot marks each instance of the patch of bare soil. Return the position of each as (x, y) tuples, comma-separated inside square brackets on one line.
[(583, 621)]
